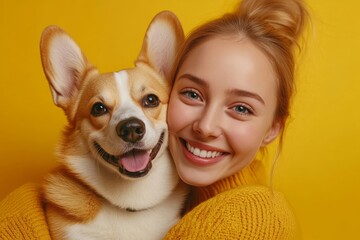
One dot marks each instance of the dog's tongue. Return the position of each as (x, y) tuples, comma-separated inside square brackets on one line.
[(135, 160)]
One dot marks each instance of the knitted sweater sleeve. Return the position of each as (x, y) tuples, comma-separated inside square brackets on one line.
[(22, 215), (252, 212)]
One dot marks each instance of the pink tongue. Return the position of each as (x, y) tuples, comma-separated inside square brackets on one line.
[(135, 160)]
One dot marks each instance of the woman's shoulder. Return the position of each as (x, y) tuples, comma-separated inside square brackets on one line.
[(256, 196), (22, 215), (249, 212)]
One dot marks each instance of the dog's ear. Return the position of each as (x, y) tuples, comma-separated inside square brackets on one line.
[(161, 42), (63, 63)]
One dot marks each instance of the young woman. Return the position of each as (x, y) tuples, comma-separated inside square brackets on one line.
[(233, 82)]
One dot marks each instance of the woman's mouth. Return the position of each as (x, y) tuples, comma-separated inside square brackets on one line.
[(200, 156), (202, 152)]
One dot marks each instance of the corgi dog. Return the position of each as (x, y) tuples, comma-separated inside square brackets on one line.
[(116, 179)]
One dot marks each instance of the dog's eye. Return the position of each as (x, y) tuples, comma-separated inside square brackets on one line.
[(98, 109), (150, 101)]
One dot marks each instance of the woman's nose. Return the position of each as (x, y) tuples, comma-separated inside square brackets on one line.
[(208, 124)]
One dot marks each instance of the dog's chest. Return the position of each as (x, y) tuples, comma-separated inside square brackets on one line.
[(113, 223)]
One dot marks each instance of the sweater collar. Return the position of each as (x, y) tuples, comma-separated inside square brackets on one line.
[(250, 175)]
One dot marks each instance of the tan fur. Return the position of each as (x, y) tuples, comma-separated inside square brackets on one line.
[(70, 195), (68, 201), (143, 74), (88, 197)]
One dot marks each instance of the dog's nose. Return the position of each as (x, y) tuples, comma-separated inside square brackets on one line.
[(131, 130)]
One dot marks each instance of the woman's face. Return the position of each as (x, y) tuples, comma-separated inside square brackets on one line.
[(221, 110)]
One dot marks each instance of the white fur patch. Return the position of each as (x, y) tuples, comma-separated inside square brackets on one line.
[(122, 82), (113, 223), (127, 107)]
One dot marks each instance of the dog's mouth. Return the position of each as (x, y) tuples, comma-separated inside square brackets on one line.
[(134, 163)]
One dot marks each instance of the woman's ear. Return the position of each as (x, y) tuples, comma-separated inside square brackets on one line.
[(272, 133)]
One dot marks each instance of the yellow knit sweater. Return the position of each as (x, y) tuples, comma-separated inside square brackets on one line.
[(232, 208), (236, 208), (22, 216)]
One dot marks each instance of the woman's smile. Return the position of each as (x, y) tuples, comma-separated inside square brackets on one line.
[(200, 154)]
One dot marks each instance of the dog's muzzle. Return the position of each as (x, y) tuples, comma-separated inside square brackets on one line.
[(134, 163)]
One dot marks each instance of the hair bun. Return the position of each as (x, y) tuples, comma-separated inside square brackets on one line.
[(282, 19)]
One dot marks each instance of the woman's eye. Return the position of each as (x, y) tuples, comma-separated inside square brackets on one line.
[(191, 94), (98, 109), (243, 110), (151, 101)]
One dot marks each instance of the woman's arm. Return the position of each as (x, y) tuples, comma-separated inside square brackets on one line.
[(22, 215)]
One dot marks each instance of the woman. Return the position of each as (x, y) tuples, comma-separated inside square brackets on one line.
[(233, 82)]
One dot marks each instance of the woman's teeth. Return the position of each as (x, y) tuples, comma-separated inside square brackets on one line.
[(202, 153)]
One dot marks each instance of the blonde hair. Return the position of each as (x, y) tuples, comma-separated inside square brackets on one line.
[(272, 25)]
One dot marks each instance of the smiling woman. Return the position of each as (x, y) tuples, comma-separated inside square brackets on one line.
[(232, 86)]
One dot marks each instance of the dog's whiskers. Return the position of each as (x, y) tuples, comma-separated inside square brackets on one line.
[(105, 155)]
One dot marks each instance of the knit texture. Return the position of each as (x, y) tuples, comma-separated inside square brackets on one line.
[(252, 212), (236, 208), (22, 216), (254, 174)]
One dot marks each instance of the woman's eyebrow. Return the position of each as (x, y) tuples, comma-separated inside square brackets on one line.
[(243, 93), (194, 79)]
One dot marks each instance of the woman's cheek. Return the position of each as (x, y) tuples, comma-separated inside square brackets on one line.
[(181, 116), (244, 137), (174, 113)]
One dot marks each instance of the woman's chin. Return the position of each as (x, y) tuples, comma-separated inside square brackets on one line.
[(196, 178)]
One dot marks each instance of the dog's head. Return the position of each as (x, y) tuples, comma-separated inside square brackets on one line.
[(117, 118)]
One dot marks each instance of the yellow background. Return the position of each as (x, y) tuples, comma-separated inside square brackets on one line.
[(319, 170)]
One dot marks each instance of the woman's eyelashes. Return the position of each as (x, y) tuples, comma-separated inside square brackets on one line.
[(191, 94), (243, 109)]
